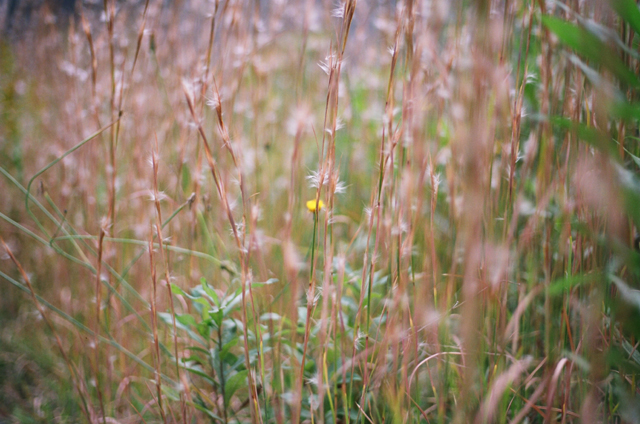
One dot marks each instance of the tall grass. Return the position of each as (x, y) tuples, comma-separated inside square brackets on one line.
[(352, 213)]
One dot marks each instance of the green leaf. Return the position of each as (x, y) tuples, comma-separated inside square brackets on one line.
[(266, 283), (624, 110), (217, 315), (200, 301), (560, 286), (227, 347), (628, 11), (204, 328), (183, 322), (193, 359), (631, 193), (619, 360), (234, 383), (233, 304), (170, 393), (197, 370), (598, 139), (591, 47), (186, 178), (211, 292), (177, 290), (186, 320), (198, 349)]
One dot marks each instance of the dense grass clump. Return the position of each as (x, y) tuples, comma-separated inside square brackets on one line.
[(304, 212)]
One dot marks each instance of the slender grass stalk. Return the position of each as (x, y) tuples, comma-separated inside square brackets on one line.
[(96, 348), (156, 342)]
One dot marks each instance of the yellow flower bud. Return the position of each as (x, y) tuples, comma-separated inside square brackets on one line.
[(313, 207)]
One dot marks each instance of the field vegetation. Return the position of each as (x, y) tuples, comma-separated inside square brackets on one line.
[(228, 211)]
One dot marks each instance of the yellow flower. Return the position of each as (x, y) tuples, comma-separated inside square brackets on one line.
[(313, 207)]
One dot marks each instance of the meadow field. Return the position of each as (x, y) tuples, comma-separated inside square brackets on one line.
[(275, 212)]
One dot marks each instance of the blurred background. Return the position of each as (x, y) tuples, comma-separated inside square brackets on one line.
[(164, 258)]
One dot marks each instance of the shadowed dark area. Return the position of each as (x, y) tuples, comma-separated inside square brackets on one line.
[(17, 16)]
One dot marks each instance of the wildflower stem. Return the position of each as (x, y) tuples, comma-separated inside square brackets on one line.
[(310, 303)]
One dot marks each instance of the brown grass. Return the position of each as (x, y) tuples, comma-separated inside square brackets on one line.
[(472, 262)]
